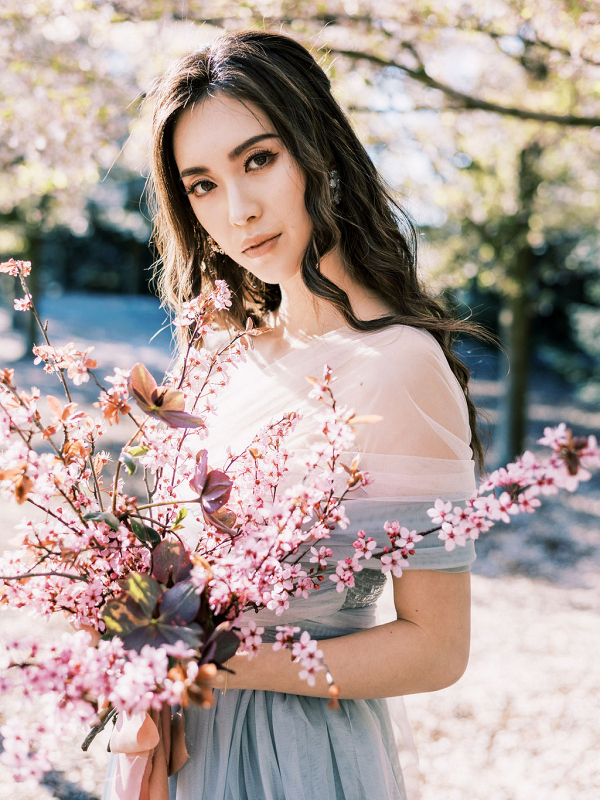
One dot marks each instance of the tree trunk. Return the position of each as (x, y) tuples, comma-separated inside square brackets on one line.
[(515, 317)]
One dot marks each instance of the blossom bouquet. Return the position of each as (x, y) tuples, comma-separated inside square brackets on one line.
[(159, 586)]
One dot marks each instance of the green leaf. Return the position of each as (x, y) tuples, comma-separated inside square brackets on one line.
[(103, 516), (143, 532), (122, 616), (138, 450), (144, 590), (227, 645), (129, 461), (181, 515), (156, 634)]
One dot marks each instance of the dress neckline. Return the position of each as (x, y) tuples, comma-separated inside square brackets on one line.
[(306, 346), (316, 341)]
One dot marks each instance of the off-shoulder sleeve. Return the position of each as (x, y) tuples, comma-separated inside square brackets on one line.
[(420, 450)]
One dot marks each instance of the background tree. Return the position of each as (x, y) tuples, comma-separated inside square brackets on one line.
[(485, 118)]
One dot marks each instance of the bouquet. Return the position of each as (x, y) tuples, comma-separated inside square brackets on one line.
[(159, 583)]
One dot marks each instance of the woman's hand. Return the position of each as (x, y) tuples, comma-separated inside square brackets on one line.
[(96, 635)]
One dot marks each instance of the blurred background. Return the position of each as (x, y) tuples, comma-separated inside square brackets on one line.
[(484, 118)]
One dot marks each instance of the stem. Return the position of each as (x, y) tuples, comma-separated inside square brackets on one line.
[(43, 575), (187, 353), (97, 491), (119, 462), (167, 503), (97, 729), (43, 329), (147, 485), (52, 514)]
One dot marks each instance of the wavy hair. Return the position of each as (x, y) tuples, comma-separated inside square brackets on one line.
[(377, 238)]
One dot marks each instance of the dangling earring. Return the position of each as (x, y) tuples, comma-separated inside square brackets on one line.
[(215, 248), (334, 183)]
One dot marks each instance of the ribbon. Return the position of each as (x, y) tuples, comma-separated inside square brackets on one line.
[(150, 747)]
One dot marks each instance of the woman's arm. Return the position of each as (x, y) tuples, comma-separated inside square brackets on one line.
[(425, 649)]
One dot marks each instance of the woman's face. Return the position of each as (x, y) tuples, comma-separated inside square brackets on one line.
[(243, 185)]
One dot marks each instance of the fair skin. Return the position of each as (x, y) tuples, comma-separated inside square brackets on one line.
[(238, 192)]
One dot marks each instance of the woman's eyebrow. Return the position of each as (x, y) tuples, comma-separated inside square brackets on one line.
[(235, 153)]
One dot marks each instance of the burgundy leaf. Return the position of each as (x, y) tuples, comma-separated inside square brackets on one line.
[(180, 604), (201, 471), (179, 419), (220, 521), (142, 386), (170, 562), (156, 634), (216, 490), (160, 402)]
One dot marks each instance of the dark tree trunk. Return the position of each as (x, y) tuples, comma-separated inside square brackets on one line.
[(515, 317)]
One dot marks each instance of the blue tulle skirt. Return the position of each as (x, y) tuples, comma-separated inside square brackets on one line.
[(254, 745)]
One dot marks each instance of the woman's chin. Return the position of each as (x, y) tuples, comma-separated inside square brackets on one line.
[(270, 273)]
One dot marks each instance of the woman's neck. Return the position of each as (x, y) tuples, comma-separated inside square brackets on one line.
[(301, 315)]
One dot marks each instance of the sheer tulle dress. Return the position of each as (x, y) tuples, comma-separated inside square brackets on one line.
[(264, 745)]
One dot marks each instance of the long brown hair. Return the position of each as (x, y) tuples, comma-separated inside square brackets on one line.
[(377, 239)]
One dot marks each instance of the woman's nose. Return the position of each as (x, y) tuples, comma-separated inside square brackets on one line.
[(243, 206)]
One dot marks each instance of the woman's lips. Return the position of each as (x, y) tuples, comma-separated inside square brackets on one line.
[(261, 249)]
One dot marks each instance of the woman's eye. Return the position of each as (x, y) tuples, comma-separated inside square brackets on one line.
[(261, 159), (200, 188), (203, 187)]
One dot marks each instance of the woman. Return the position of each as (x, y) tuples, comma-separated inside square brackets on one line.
[(260, 180)]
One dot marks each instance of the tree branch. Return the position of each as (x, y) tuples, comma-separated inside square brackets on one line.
[(467, 102)]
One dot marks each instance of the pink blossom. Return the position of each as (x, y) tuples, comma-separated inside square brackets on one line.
[(392, 561), (15, 268), (440, 511), (364, 547), (306, 650), (251, 638), (453, 535), (555, 437), (344, 573), (285, 636), (321, 555), (22, 303)]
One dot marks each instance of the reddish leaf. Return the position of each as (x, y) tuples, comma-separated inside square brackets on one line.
[(160, 402), (170, 562), (216, 490), (179, 605), (200, 473)]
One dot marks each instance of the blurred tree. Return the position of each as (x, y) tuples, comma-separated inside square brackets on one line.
[(483, 115)]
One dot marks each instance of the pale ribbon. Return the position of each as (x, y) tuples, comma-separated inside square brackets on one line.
[(149, 748)]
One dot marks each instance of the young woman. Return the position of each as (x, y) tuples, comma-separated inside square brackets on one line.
[(259, 180)]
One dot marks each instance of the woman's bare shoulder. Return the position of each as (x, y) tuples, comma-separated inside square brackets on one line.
[(400, 347)]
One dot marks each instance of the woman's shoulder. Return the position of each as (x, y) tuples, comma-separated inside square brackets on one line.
[(403, 362), (401, 348)]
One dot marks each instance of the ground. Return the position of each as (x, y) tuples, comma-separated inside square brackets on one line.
[(522, 723)]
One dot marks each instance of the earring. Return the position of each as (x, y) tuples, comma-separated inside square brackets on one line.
[(215, 248), (334, 183)]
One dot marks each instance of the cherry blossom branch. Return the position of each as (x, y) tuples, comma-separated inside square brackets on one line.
[(44, 330), (118, 465), (466, 101), (44, 575)]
